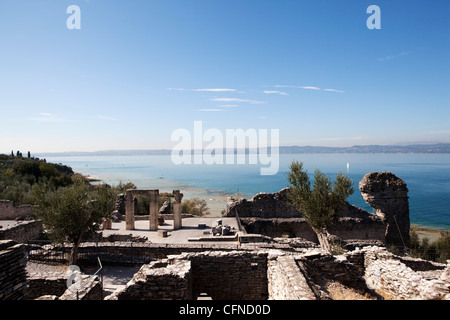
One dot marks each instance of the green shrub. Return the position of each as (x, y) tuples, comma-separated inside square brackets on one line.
[(195, 206)]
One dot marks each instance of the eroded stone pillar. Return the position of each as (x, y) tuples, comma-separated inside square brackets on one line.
[(388, 195), (130, 206), (177, 219), (153, 197)]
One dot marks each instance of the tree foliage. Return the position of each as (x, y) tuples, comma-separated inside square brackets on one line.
[(320, 203), (18, 175), (195, 206), (71, 213), (438, 250)]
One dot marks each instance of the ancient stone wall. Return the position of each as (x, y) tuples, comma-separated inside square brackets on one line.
[(135, 252), (13, 282), (279, 227), (235, 275), (365, 228), (8, 211), (158, 281), (23, 231), (52, 285), (286, 281), (90, 289), (394, 279), (264, 205), (46, 283)]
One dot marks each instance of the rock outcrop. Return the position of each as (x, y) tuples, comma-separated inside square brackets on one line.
[(264, 205), (388, 195)]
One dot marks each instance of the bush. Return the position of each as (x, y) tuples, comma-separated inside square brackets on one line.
[(195, 206), (438, 250)]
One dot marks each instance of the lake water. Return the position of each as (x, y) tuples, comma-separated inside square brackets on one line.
[(427, 177)]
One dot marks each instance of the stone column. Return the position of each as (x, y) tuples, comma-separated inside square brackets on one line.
[(177, 219), (153, 197), (388, 195), (130, 206)]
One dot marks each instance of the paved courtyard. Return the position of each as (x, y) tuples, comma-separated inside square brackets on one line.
[(192, 230)]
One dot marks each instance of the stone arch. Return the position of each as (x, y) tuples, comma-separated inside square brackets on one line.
[(153, 196)]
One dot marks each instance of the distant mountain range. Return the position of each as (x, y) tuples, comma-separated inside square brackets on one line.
[(413, 148)]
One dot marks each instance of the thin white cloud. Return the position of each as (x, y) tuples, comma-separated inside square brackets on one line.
[(237, 100), (394, 56), (333, 90), (275, 92), (308, 88), (211, 110), (205, 89), (46, 117), (284, 86), (216, 90)]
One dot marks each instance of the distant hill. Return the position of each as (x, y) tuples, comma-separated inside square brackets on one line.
[(18, 175), (413, 148)]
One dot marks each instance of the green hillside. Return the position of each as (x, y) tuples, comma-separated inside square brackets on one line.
[(19, 174)]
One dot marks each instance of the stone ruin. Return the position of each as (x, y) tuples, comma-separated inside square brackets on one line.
[(370, 273), (388, 195), (277, 269), (153, 196), (222, 230), (271, 215)]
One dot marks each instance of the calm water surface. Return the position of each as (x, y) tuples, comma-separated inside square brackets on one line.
[(426, 175)]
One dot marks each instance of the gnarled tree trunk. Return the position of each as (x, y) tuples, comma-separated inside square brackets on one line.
[(324, 239)]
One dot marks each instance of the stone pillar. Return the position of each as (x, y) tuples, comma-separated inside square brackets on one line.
[(130, 206), (388, 195), (153, 197), (177, 219)]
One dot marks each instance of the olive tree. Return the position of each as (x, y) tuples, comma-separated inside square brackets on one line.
[(320, 204), (71, 213)]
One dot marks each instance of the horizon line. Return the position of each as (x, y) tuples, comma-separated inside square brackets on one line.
[(166, 150)]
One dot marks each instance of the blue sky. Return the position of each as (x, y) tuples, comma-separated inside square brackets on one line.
[(138, 70)]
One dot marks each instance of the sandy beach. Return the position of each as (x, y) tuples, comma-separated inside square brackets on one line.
[(427, 232)]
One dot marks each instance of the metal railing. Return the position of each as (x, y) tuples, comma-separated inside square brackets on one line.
[(46, 252)]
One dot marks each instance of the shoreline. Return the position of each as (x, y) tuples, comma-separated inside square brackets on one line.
[(431, 233), (217, 202)]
